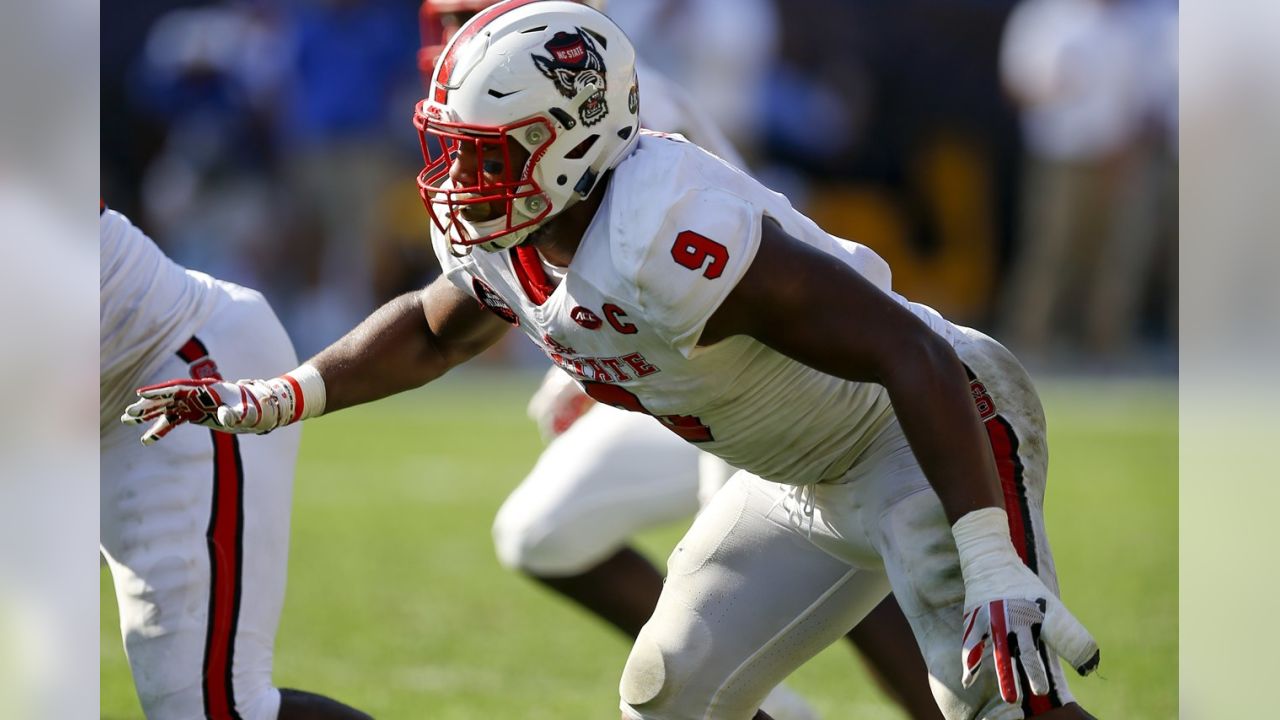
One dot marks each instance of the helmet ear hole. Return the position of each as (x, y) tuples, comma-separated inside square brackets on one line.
[(581, 149)]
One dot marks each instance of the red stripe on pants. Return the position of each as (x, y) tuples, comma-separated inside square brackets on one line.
[(226, 525), (224, 579), (1004, 447)]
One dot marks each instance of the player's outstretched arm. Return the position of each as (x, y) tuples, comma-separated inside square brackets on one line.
[(819, 311), (404, 344)]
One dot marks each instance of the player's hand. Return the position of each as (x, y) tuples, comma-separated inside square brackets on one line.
[(557, 404), (246, 406), (1010, 615)]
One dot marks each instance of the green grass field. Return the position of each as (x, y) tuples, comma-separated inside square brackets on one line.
[(396, 604)]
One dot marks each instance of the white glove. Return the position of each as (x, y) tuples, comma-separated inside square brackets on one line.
[(1009, 612), (244, 406), (557, 404)]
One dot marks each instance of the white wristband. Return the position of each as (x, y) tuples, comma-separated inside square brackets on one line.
[(981, 536), (308, 392)]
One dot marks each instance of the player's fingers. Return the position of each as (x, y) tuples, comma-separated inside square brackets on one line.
[(168, 388), (1002, 657), (1032, 665), (228, 417), (1069, 638), (250, 408), (974, 643), (162, 427), (137, 411)]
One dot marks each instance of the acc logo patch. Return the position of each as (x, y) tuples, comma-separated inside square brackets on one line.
[(586, 318), (490, 299), (575, 65)]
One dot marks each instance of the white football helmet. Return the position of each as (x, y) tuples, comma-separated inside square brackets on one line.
[(435, 33), (558, 78)]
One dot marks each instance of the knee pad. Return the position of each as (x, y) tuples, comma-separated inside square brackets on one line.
[(667, 669)]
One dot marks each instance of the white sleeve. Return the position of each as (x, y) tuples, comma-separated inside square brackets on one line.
[(704, 246)]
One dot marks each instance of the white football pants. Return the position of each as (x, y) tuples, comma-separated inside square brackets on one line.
[(612, 474), (195, 530), (769, 574)]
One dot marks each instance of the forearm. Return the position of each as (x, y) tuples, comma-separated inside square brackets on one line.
[(391, 351), (931, 398)]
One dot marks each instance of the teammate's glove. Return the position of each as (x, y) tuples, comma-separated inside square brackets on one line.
[(244, 406), (557, 404), (1009, 613)]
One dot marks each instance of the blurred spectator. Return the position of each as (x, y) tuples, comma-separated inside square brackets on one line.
[(208, 76), (720, 51), (1081, 71), (271, 136), (895, 114), (351, 88)]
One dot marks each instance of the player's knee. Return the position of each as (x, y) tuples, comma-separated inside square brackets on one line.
[(539, 550), (662, 676), (547, 546)]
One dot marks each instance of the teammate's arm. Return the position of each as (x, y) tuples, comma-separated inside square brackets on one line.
[(406, 343), (815, 309)]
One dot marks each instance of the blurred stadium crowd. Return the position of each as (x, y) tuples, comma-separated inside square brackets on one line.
[(1013, 160)]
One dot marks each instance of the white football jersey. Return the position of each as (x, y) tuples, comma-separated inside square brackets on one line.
[(148, 307), (676, 230)]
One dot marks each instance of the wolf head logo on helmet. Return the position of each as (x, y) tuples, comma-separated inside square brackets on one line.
[(544, 91), (575, 65)]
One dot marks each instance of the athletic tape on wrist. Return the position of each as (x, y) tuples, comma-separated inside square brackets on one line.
[(308, 392), (980, 534)]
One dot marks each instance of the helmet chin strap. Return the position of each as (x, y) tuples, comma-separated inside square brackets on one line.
[(511, 239), (487, 227)]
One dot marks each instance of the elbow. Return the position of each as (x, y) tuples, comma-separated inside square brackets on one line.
[(922, 359)]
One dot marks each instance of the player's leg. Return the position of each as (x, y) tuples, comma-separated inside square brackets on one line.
[(1017, 430), (154, 508), (253, 344), (748, 598), (609, 476), (195, 530), (885, 642), (621, 589), (906, 523), (302, 705)]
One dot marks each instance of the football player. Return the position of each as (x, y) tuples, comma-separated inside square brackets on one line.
[(883, 449), (196, 535), (608, 474)]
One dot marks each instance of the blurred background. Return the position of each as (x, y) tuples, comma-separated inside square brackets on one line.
[(1015, 161)]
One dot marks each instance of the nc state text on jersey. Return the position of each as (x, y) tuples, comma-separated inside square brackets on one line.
[(606, 369)]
